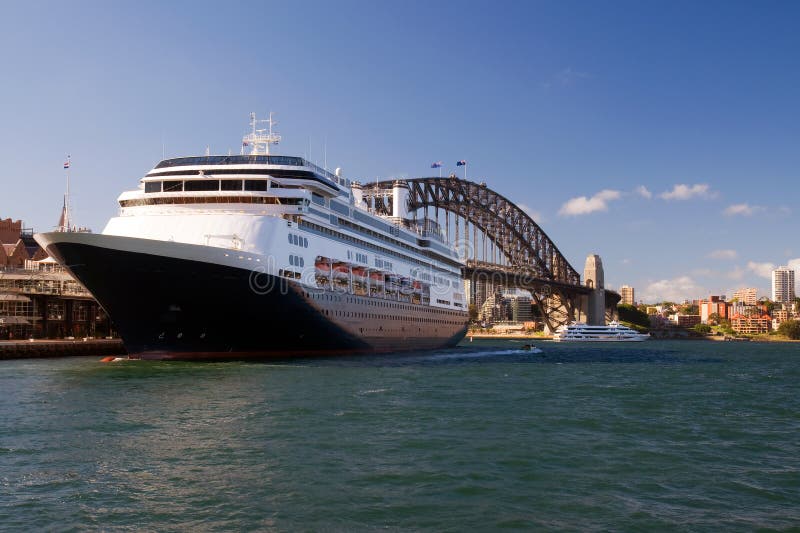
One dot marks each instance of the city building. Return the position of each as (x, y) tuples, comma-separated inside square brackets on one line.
[(521, 309), (715, 305), (38, 298), (627, 295), (751, 325), (783, 285), (685, 321), (748, 295)]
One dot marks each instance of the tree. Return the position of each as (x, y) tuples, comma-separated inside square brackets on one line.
[(714, 319), (790, 329), (690, 310), (473, 313), (702, 328), (628, 313), (767, 305)]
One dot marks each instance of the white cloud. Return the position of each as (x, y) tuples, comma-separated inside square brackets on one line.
[(583, 205), (642, 191), (736, 274), (686, 192), (534, 214), (722, 254), (673, 290), (742, 209), (566, 77), (763, 270), (794, 264)]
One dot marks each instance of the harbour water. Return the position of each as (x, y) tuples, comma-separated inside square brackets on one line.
[(668, 435)]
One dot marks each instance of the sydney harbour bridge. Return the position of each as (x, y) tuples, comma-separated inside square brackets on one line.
[(500, 245)]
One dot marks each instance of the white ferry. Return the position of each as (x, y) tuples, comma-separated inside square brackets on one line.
[(613, 332), (253, 255)]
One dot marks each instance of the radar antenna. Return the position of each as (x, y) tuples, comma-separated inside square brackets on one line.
[(257, 140)]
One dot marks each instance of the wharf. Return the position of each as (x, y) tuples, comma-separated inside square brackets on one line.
[(59, 348)]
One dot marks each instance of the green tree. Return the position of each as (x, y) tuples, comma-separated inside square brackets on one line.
[(628, 313), (473, 313), (702, 328), (690, 310), (768, 304), (790, 329)]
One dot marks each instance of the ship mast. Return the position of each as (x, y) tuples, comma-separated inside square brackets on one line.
[(257, 140)]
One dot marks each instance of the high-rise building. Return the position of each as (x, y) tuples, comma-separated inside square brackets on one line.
[(783, 285), (521, 309), (627, 295), (748, 296)]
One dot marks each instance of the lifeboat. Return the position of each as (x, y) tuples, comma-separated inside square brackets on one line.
[(417, 287), (322, 266), (359, 274), (406, 286), (341, 271), (376, 278)]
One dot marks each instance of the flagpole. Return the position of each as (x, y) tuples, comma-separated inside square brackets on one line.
[(67, 217)]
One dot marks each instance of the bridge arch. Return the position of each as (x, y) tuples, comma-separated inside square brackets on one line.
[(525, 246)]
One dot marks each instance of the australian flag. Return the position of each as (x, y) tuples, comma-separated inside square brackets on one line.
[(461, 163), (437, 164)]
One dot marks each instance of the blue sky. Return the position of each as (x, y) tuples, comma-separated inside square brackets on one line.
[(663, 136)]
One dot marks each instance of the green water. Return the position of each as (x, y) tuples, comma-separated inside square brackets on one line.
[(647, 436)]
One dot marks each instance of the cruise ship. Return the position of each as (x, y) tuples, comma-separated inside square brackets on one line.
[(613, 332), (259, 255)]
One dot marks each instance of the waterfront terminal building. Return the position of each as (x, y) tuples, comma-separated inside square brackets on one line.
[(38, 298)]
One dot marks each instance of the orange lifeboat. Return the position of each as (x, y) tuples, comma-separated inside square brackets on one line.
[(359, 274), (341, 271), (322, 266)]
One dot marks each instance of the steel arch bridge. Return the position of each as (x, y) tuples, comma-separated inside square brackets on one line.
[(501, 245)]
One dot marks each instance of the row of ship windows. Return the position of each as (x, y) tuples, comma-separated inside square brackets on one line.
[(296, 260), (205, 185), (297, 240), (262, 200), (359, 257), (379, 303), (353, 314), (364, 244)]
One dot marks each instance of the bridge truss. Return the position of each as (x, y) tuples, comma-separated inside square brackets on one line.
[(500, 244)]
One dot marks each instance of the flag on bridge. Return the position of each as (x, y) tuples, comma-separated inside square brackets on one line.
[(437, 164), (461, 163), (66, 163)]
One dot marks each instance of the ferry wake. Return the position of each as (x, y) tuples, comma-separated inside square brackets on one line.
[(258, 255)]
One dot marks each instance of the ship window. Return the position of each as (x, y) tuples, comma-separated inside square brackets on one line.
[(317, 199), (201, 185), (173, 186), (231, 185), (255, 185), (152, 186)]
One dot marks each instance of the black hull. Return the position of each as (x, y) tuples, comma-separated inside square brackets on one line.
[(173, 308)]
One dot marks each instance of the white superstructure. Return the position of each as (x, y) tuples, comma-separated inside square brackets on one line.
[(290, 218), (614, 331)]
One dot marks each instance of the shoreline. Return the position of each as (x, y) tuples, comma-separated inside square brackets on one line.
[(44, 349)]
